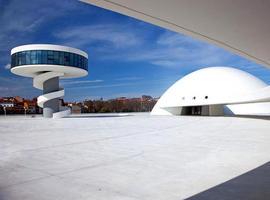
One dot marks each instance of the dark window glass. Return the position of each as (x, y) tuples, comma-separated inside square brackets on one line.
[(56, 57), (48, 57), (80, 61), (85, 63), (71, 59), (76, 60), (23, 58), (44, 58), (33, 57), (39, 56), (61, 58), (27, 57), (20, 58), (12, 60), (66, 58), (15, 58)]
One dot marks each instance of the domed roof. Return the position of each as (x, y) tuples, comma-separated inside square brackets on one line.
[(214, 79), (210, 85)]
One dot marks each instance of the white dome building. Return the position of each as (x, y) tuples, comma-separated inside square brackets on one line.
[(215, 91)]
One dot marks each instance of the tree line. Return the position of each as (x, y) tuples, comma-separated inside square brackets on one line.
[(100, 106)]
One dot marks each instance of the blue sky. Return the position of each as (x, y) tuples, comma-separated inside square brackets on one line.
[(127, 57)]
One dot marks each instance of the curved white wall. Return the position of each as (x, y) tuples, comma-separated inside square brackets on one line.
[(241, 26), (215, 85), (249, 109), (53, 47)]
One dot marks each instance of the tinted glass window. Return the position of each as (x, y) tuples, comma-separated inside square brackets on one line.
[(33, 57), (38, 56), (15, 59), (61, 58), (23, 58), (76, 60), (66, 58), (27, 57), (44, 57), (19, 57), (72, 59), (48, 57), (56, 57)]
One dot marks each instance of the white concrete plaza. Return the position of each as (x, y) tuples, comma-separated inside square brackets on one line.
[(104, 157)]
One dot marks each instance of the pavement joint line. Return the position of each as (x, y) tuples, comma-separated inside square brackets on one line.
[(152, 132), (58, 175), (25, 182), (112, 162)]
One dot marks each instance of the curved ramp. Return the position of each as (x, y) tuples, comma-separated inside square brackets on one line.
[(38, 82)]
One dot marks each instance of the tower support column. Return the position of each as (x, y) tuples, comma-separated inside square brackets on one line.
[(51, 106)]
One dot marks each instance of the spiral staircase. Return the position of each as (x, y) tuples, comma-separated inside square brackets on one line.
[(38, 82)]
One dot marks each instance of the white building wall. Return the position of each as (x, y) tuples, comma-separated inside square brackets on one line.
[(250, 109), (213, 86)]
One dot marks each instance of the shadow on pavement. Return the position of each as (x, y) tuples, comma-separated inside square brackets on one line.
[(253, 185), (253, 117)]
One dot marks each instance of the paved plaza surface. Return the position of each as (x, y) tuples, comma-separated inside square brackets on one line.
[(135, 156)]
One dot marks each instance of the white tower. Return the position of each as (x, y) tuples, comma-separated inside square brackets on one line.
[(47, 63)]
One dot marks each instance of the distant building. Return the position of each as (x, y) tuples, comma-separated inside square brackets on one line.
[(136, 99), (75, 109), (121, 98), (18, 99), (31, 106), (7, 104), (19, 105), (146, 98)]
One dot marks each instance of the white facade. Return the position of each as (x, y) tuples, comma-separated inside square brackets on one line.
[(237, 91)]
